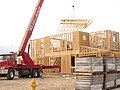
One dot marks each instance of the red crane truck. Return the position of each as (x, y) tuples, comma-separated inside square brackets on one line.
[(8, 62)]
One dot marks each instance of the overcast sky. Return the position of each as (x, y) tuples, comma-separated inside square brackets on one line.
[(15, 16)]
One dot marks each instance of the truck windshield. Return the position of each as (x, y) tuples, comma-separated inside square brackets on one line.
[(7, 57)]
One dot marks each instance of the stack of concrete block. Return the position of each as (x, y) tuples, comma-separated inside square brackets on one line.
[(108, 78), (117, 77), (89, 82), (88, 64), (117, 64), (110, 64)]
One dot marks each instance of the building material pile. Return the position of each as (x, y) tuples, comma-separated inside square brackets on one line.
[(89, 82), (88, 64), (95, 73)]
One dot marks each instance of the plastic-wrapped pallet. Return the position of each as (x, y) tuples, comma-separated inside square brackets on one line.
[(88, 64), (117, 77), (110, 80), (117, 63), (110, 64), (93, 82)]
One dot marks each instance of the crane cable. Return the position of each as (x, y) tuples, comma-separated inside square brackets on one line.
[(73, 9)]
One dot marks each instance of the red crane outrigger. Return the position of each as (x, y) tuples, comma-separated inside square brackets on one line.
[(8, 63)]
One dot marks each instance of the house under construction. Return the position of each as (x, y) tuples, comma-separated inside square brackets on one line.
[(71, 42)]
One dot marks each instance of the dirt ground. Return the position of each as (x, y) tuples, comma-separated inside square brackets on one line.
[(48, 82)]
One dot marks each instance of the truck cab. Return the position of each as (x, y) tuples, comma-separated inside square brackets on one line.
[(7, 64)]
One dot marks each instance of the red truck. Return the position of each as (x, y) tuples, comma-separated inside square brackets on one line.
[(8, 66), (8, 62)]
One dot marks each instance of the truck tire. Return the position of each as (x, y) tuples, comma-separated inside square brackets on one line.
[(10, 75), (22, 75), (40, 73), (34, 73)]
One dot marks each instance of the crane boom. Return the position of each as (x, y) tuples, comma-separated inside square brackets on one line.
[(30, 28), (8, 62)]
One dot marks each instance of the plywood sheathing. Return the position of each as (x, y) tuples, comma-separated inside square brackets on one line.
[(41, 60), (63, 45), (47, 45), (65, 64), (80, 39)]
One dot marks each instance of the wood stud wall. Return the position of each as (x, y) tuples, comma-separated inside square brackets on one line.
[(58, 49), (106, 39)]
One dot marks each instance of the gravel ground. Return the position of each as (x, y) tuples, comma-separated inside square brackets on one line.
[(48, 82)]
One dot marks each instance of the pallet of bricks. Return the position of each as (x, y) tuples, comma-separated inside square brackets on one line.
[(97, 73)]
